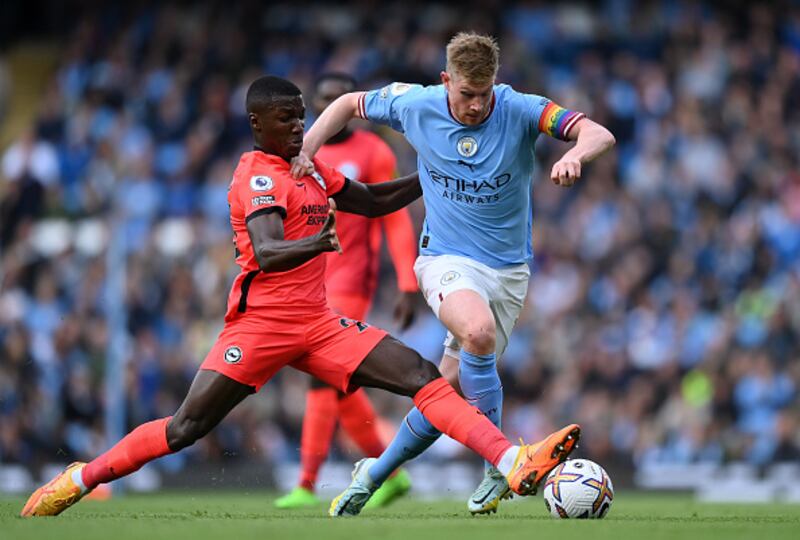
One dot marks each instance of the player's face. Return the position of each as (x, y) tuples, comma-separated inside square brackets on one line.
[(280, 126), (327, 92), (469, 102)]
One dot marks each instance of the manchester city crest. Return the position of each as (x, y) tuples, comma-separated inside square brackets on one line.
[(467, 146), (449, 277)]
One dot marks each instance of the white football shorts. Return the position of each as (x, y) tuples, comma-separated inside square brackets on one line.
[(503, 289)]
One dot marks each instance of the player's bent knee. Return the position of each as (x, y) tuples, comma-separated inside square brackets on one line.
[(183, 432), (425, 373), (479, 338), (395, 367), (415, 372)]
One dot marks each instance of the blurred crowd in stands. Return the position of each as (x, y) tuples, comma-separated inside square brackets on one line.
[(664, 308)]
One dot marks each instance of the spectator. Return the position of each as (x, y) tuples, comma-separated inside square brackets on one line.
[(665, 302)]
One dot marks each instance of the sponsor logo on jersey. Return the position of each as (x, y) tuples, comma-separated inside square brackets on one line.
[(261, 183), (467, 146), (468, 185), (449, 277), (262, 200), (233, 355), (317, 213), (470, 199), (320, 180), (468, 190)]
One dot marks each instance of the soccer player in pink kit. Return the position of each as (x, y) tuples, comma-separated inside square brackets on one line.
[(351, 279)]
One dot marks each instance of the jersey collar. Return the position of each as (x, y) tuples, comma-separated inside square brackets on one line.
[(272, 157)]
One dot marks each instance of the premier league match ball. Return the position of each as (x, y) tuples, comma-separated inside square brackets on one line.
[(580, 489)]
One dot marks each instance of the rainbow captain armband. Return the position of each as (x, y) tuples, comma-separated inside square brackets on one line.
[(557, 121)]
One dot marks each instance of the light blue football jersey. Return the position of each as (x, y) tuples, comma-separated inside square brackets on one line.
[(476, 180)]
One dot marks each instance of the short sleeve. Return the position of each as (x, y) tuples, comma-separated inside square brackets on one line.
[(333, 181), (260, 192), (386, 105)]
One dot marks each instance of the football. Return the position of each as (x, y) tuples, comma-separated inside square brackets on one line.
[(578, 489)]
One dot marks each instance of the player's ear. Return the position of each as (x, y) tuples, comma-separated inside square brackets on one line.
[(255, 125), (445, 79)]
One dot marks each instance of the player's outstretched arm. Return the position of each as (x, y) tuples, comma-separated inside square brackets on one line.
[(332, 120), (374, 200), (274, 254), (592, 139)]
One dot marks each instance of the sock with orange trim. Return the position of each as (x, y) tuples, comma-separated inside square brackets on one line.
[(451, 415)]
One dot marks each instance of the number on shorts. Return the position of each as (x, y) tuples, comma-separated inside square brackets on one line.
[(347, 323)]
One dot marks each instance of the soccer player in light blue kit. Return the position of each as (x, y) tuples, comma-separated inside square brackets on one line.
[(475, 149)]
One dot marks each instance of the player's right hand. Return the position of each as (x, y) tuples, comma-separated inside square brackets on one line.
[(301, 165), (566, 171), (327, 235)]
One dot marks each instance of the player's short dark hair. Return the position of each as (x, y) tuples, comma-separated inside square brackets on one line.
[(338, 76), (264, 89)]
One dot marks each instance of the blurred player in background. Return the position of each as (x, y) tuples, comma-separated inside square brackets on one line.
[(351, 279), (475, 146), (278, 316)]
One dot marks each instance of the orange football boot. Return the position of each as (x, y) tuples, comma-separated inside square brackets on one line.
[(55, 496), (535, 461)]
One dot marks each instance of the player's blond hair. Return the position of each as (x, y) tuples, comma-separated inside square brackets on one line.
[(476, 57)]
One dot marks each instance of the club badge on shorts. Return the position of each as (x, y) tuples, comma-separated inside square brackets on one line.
[(233, 355), (449, 277)]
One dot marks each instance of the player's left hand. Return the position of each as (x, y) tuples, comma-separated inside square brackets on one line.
[(404, 309), (565, 171), (301, 165)]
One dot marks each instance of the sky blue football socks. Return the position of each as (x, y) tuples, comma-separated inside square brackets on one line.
[(481, 385), (482, 388), (414, 436)]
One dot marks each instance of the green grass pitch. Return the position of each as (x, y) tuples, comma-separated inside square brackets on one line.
[(238, 516)]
